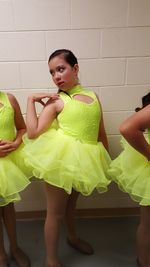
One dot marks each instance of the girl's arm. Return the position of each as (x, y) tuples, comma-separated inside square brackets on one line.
[(19, 121), (102, 137), (132, 130), (38, 125), (8, 146)]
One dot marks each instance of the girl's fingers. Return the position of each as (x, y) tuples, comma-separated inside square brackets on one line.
[(46, 95), (8, 150), (2, 142), (41, 102), (6, 146)]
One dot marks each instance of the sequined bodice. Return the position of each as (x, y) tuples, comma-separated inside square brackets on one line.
[(7, 128), (79, 119)]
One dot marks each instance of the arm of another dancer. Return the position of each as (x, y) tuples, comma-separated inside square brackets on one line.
[(132, 130), (7, 146), (19, 121), (102, 137)]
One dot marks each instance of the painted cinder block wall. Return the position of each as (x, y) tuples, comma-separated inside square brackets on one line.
[(111, 39)]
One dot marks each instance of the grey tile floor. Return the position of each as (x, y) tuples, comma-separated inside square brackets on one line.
[(113, 240)]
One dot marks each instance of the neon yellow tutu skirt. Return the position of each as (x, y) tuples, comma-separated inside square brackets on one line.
[(131, 171), (65, 162), (14, 176)]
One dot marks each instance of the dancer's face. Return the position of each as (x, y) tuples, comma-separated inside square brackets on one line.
[(64, 75)]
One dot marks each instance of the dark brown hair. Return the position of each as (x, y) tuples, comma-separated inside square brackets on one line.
[(145, 102), (68, 56)]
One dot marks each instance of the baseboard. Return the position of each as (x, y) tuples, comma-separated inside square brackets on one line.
[(85, 213)]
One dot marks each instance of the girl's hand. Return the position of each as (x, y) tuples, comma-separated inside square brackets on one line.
[(40, 96), (6, 147)]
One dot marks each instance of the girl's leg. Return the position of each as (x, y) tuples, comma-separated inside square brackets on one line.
[(73, 240), (143, 238), (10, 223), (3, 257), (56, 205)]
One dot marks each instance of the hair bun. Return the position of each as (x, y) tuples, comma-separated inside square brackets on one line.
[(137, 109), (145, 102)]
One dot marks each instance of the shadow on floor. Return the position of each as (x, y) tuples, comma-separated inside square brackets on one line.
[(113, 240)]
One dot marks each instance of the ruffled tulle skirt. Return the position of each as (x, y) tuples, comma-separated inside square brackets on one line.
[(64, 161), (131, 171), (14, 176)]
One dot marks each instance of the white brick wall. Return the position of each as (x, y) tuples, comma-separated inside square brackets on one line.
[(126, 42), (84, 43), (6, 16), (112, 42), (102, 72), (41, 15), (138, 71), (89, 14), (139, 13)]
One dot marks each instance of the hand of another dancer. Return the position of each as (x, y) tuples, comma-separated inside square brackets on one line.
[(6, 147)]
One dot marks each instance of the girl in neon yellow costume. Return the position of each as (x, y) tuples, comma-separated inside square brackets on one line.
[(14, 176), (71, 159), (131, 170)]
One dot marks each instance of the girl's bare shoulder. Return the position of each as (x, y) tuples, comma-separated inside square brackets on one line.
[(12, 100), (57, 104)]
